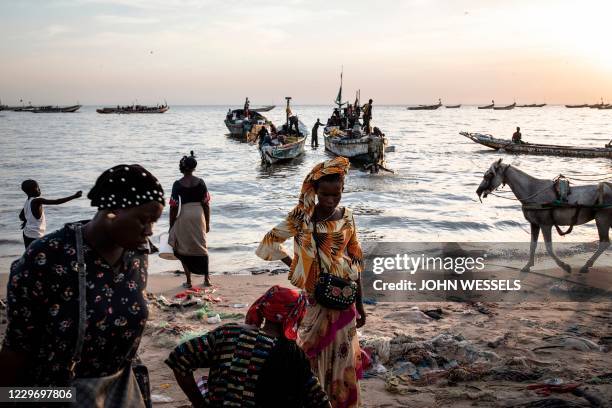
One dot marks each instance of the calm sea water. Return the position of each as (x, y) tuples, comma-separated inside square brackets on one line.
[(431, 196)]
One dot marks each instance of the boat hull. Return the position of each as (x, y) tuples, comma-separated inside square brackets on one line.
[(424, 107), (486, 107), (129, 112), (453, 106), (577, 106), (537, 149), (57, 109), (367, 150), (282, 153)]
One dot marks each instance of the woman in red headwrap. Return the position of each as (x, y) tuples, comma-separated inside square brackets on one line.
[(257, 364), (325, 240)]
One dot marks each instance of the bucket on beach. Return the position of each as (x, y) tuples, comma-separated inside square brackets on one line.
[(165, 250)]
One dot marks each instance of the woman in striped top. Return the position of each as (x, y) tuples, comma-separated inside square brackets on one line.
[(252, 365)]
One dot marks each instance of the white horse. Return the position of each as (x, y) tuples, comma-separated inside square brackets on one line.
[(584, 204)]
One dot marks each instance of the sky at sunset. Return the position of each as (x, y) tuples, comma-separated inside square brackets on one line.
[(218, 52)]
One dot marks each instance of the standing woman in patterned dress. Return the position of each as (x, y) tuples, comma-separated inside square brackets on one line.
[(44, 296), (327, 336), (190, 221)]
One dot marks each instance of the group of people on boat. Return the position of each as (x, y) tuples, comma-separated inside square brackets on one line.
[(348, 119), (77, 305)]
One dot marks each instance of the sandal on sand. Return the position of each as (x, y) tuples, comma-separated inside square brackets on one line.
[(187, 285)]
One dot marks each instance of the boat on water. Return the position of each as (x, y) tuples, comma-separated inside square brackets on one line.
[(426, 107), (507, 107), (533, 105), (132, 109), (240, 122), (265, 108), (284, 143), (577, 106), (345, 136), (56, 109), (605, 107), (537, 149), (453, 106), (488, 106)]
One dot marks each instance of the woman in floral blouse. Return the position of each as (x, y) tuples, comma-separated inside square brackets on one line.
[(43, 289)]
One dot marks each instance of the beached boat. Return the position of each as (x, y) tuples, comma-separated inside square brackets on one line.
[(134, 109), (507, 107), (264, 109), (426, 107), (56, 109), (537, 149), (533, 105), (488, 106), (453, 106), (577, 106)]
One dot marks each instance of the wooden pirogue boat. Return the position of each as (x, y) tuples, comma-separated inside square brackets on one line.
[(292, 149), (264, 108), (487, 106), (134, 109), (532, 105), (344, 136), (56, 109), (508, 107), (453, 106), (426, 107), (537, 149), (239, 126), (577, 106)]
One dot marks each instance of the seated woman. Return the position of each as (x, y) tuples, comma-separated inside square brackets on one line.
[(50, 340), (252, 365)]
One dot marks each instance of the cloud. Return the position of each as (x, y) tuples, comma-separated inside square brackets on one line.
[(55, 30)]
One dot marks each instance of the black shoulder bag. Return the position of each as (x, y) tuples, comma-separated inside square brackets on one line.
[(332, 291)]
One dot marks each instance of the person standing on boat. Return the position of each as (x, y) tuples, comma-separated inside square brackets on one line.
[(314, 141), (246, 107), (516, 137), (189, 226), (367, 116), (33, 213)]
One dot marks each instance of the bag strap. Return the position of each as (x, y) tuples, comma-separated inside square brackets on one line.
[(82, 269), (316, 243)]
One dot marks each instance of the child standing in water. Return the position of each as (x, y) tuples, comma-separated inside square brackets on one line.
[(33, 214)]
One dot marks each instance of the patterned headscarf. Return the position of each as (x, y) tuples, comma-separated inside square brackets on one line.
[(279, 305), (339, 165), (125, 186)]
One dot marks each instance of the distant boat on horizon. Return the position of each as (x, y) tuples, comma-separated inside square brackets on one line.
[(488, 106), (453, 106), (533, 105), (426, 107), (134, 109), (584, 105), (507, 107)]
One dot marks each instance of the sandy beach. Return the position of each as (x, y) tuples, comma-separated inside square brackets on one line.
[(484, 352)]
